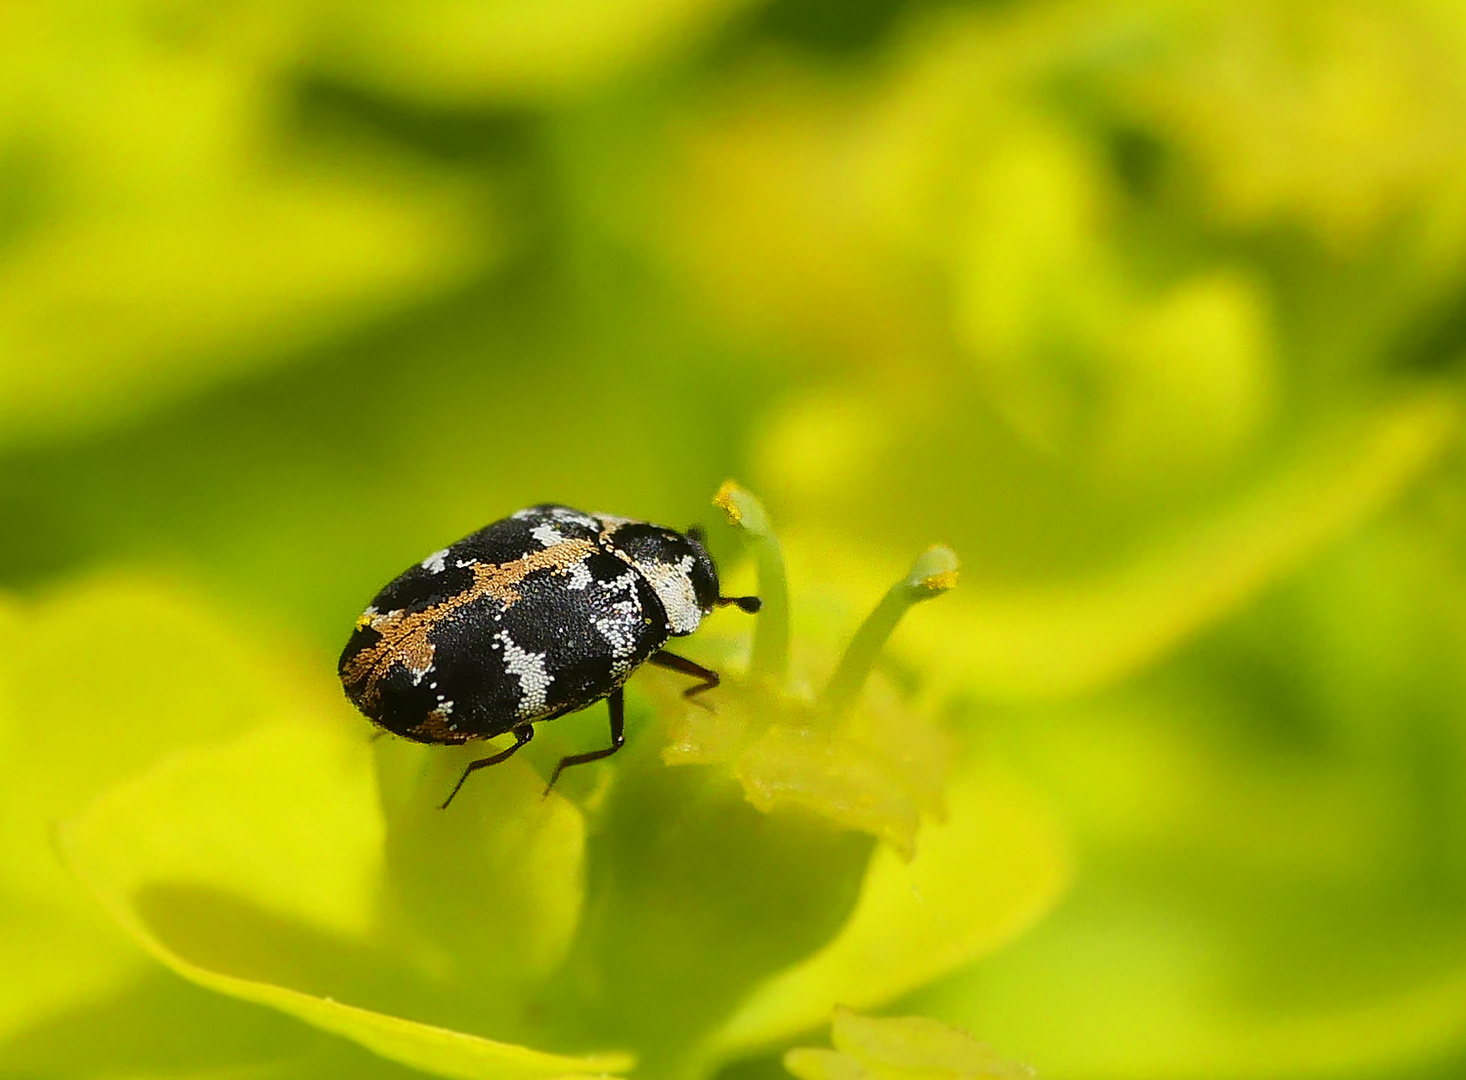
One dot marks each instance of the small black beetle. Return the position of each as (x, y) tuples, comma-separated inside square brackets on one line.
[(530, 618)]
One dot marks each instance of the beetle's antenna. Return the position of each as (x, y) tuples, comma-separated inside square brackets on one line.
[(697, 535), (750, 604)]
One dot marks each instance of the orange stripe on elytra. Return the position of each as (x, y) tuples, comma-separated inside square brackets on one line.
[(404, 637)]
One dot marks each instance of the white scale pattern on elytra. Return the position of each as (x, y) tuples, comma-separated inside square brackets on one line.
[(672, 583), (620, 629), (573, 517), (529, 669), (577, 576), (433, 564), (547, 535)]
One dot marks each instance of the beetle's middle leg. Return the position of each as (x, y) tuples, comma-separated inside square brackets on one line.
[(616, 703)]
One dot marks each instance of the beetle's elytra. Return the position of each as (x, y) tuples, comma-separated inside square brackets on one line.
[(530, 618)]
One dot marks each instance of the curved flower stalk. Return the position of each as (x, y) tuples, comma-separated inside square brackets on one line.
[(804, 851)]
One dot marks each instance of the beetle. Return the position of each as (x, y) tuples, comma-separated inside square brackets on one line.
[(537, 615)]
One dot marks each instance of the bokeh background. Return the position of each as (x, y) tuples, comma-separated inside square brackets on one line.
[(1152, 309)]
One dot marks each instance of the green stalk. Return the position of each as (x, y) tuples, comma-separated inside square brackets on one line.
[(931, 575), (771, 629)]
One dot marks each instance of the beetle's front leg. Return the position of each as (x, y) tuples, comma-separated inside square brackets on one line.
[(674, 662)]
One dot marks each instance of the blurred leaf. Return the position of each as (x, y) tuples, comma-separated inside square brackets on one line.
[(900, 1048), (255, 870), (1126, 983), (98, 681), (507, 849), (166, 231), (693, 898), (1067, 637), (1193, 383), (248, 275), (979, 878), (160, 1025), (460, 51), (1271, 824), (1333, 116)]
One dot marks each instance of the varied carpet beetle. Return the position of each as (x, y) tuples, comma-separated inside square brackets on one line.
[(530, 618)]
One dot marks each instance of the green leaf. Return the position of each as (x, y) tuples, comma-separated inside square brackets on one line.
[(96, 682), (251, 272), (459, 51), (694, 898), (1066, 637), (993, 867), (1271, 825), (162, 235), (900, 1048), (255, 870), (504, 848)]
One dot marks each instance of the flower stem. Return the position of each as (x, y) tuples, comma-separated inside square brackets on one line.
[(771, 630), (933, 573)]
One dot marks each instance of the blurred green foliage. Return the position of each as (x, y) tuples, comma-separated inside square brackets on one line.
[(1150, 309)]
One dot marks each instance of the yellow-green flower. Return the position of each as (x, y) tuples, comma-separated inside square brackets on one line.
[(697, 901)]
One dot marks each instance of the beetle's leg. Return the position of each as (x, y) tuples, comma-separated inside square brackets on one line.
[(522, 735), (708, 676), (617, 705)]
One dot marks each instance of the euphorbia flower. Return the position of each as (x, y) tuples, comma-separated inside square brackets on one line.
[(699, 898)]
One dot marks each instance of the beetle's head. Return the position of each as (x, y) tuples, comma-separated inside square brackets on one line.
[(703, 573)]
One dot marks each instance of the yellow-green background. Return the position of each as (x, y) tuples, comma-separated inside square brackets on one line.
[(1152, 309)]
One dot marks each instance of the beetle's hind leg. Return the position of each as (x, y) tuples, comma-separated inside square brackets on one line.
[(708, 676), (522, 735), (616, 703)]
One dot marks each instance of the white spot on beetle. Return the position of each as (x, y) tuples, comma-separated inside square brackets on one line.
[(529, 669), (619, 627), (433, 564), (572, 517), (547, 535), (578, 576)]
